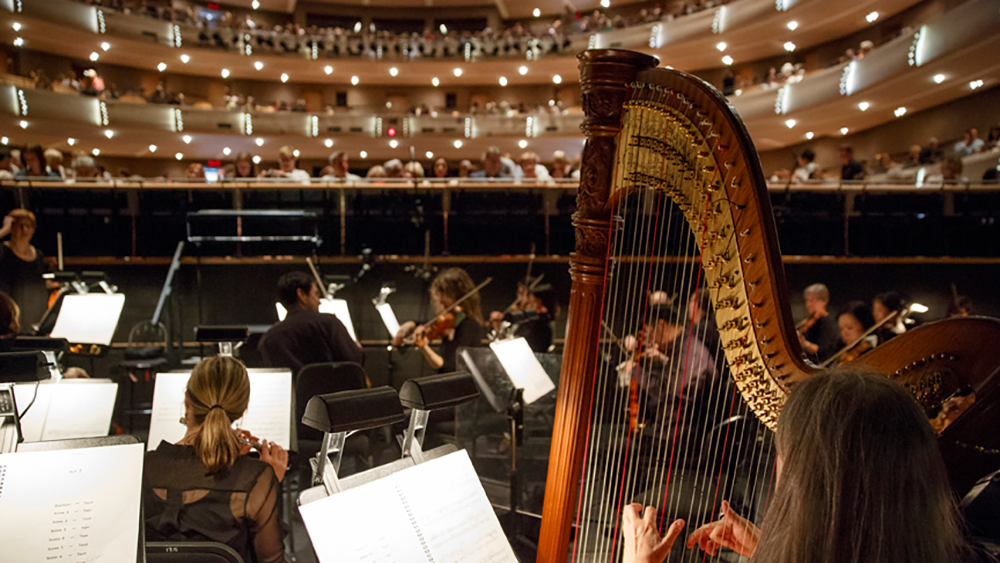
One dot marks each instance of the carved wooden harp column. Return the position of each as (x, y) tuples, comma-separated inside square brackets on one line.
[(604, 79)]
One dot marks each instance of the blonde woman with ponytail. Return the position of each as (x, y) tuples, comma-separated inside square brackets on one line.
[(204, 488)]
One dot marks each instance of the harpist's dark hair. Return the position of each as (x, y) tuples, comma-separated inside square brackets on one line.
[(288, 287), (862, 478)]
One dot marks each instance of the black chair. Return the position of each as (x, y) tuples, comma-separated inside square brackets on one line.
[(190, 552)]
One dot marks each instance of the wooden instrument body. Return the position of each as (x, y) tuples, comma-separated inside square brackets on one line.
[(727, 205)]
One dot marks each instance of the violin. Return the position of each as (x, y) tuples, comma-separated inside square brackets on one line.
[(803, 327), (438, 327), (855, 352)]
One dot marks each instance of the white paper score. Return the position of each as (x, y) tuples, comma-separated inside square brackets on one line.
[(523, 368), (89, 319)]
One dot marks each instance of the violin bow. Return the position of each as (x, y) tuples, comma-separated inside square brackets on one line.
[(319, 280), (464, 297), (876, 326)]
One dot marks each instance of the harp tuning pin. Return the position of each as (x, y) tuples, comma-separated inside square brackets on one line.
[(748, 259), (744, 232)]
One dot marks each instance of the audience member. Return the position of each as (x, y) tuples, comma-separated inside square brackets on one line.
[(414, 169), (492, 166), (195, 171), (951, 173), (914, 157), (54, 162), (376, 171), (560, 165), (287, 167), (341, 166), (932, 153), (6, 164), (441, 167), (531, 170), (464, 169), (970, 143), (35, 165), (394, 169), (84, 167), (850, 169), (243, 166), (993, 139), (807, 169)]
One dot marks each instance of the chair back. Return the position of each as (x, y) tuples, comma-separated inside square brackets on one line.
[(320, 379), (191, 552)]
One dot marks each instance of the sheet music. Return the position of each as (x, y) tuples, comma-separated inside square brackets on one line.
[(523, 368), (435, 512), (89, 319), (268, 414), (338, 308), (70, 408), (71, 505), (388, 318)]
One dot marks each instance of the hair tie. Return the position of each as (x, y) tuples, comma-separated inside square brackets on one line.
[(217, 406)]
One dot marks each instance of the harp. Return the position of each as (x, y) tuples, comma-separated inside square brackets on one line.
[(672, 198)]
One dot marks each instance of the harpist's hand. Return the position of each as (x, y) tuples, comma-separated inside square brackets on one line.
[(732, 531), (275, 456), (404, 330), (643, 543)]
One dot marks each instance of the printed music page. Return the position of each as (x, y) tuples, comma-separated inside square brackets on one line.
[(71, 505), (435, 512), (523, 368), (71, 408), (267, 415)]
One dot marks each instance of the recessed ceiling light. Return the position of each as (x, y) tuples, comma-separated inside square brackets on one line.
[(536, 12), (18, 42), (256, 159), (435, 81), (393, 71), (443, 28), (357, 27), (727, 60), (295, 153), (16, 26), (363, 154), (872, 17), (458, 144), (790, 123), (71, 141), (23, 124), (179, 156), (523, 70), (328, 69), (809, 135), (226, 151), (789, 46), (161, 67), (152, 148), (844, 130), (458, 72), (4, 140), (328, 143), (939, 78), (225, 73), (393, 143), (557, 79), (900, 112), (94, 56), (975, 84), (792, 25), (109, 133), (721, 46), (260, 142), (186, 139), (185, 58), (863, 106), (255, 4), (284, 77), (605, 3), (95, 152), (354, 80), (503, 80), (523, 144), (105, 46), (429, 154), (258, 65)]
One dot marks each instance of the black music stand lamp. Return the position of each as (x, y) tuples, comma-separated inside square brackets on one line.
[(226, 337), (429, 393), (17, 367)]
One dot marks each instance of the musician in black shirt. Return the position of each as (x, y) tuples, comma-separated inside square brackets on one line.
[(306, 336)]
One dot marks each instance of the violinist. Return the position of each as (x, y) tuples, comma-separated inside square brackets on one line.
[(886, 304), (462, 326), (531, 315), (854, 322), (818, 333)]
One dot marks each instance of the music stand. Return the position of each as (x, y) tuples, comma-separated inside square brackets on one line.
[(16, 367), (226, 337), (89, 319), (335, 307)]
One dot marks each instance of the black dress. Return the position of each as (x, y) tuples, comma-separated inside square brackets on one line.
[(22, 280), (538, 333), (468, 334), (825, 334), (241, 509)]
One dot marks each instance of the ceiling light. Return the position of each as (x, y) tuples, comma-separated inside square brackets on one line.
[(872, 17), (429, 154), (295, 153), (363, 154), (255, 4), (179, 156), (225, 73), (109, 133), (284, 77), (727, 60), (900, 112), (809, 135), (260, 141), (793, 25), (226, 151), (503, 80), (605, 3), (523, 144), (18, 42), (16, 26), (258, 65), (95, 152), (975, 84), (863, 106), (94, 56), (357, 27), (71, 141), (4, 140), (939, 78), (393, 143), (152, 148), (458, 144), (844, 130), (354, 80), (23, 124), (458, 72), (557, 79), (256, 159), (721, 46), (328, 69), (105, 46), (186, 139), (790, 123), (435, 81), (161, 67), (443, 28), (393, 71), (789, 46), (185, 59), (388, 105), (328, 143), (536, 12), (523, 70)]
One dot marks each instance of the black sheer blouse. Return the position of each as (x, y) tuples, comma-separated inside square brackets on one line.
[(241, 508)]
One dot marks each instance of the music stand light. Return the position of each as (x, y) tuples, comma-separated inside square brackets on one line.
[(226, 336), (385, 310), (432, 392), (16, 367)]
